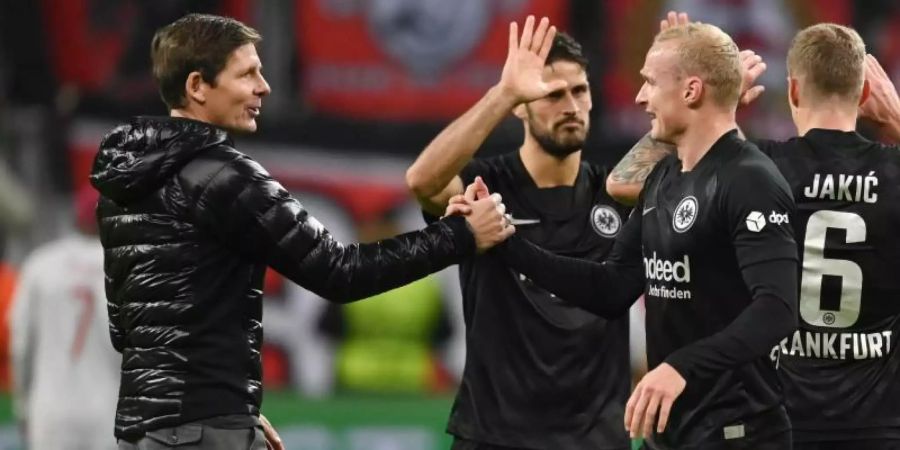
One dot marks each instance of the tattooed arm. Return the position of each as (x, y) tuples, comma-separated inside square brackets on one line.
[(627, 179)]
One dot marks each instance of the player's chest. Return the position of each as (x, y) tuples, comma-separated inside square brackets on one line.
[(584, 227), (681, 213)]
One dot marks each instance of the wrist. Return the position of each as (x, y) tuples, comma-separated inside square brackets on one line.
[(891, 127), (503, 97)]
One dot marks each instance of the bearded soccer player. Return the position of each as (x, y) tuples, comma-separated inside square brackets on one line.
[(720, 285), (539, 373)]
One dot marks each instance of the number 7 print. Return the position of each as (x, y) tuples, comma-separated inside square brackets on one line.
[(85, 295)]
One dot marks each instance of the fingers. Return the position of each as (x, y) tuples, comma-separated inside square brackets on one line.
[(665, 409), (527, 33), (481, 189), (508, 231), (458, 210), (638, 413), (538, 40), (630, 406), (650, 415), (273, 440), (513, 37), (470, 194), (673, 19), (752, 64), (547, 44), (874, 66), (752, 94)]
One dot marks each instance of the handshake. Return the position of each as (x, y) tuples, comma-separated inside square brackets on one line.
[(485, 214)]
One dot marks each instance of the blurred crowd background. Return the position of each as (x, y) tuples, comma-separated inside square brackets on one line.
[(359, 88)]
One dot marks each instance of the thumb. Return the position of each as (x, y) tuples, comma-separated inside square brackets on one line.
[(469, 195), (752, 94), (481, 189)]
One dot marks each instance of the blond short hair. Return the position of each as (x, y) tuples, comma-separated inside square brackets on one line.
[(832, 57), (706, 51)]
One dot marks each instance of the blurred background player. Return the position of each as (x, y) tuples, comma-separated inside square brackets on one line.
[(539, 373), (65, 373)]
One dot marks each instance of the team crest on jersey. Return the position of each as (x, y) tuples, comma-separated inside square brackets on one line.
[(606, 221), (685, 214)]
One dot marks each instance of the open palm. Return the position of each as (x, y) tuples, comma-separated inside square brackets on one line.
[(522, 72)]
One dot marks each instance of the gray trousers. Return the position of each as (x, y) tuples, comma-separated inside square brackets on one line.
[(194, 436)]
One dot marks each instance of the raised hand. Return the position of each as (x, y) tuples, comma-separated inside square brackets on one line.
[(522, 78), (883, 104), (673, 19), (752, 66)]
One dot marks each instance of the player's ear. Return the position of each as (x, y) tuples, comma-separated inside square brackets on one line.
[(521, 111), (866, 91), (195, 87), (693, 90), (793, 92)]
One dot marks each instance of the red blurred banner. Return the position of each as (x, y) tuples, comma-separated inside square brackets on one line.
[(406, 59), (89, 39)]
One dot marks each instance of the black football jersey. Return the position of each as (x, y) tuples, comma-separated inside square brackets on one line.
[(840, 369), (699, 229), (540, 373)]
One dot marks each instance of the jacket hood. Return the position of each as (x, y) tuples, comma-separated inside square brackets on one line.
[(138, 157)]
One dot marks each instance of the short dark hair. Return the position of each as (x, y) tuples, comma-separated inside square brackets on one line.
[(566, 48), (195, 42)]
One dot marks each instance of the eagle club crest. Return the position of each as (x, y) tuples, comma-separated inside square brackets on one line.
[(685, 214), (427, 36), (606, 221)]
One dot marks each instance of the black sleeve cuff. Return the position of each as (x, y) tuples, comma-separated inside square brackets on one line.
[(463, 238)]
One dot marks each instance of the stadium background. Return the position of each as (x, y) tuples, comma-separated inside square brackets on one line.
[(359, 88)]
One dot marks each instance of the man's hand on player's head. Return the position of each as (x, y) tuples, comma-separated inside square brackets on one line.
[(673, 19), (752, 66), (883, 104), (522, 78)]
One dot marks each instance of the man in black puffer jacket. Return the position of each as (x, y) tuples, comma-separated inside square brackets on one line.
[(188, 226)]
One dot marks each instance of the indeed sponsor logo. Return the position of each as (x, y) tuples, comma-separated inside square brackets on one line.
[(656, 268)]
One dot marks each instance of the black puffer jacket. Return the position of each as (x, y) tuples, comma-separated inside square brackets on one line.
[(188, 226)]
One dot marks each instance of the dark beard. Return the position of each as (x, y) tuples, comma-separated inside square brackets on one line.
[(555, 148)]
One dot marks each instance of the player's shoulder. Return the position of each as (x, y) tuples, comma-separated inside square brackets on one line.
[(489, 167), (665, 165), (751, 167), (777, 147), (594, 172)]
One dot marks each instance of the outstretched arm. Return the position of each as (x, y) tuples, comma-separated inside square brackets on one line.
[(251, 213), (607, 289)]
